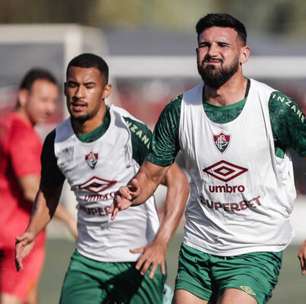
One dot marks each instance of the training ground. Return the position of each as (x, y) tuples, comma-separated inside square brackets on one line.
[(291, 287)]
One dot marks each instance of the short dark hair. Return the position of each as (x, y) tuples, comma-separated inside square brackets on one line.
[(36, 74), (222, 20), (88, 60)]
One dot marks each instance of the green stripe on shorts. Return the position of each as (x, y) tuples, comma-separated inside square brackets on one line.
[(207, 276)]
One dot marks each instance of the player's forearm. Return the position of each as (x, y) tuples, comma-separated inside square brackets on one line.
[(43, 210), (177, 195), (148, 177), (147, 187), (40, 215)]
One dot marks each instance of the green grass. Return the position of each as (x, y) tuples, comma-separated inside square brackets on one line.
[(289, 290)]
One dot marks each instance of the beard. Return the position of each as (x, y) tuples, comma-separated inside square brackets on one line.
[(82, 118), (215, 77), (87, 114)]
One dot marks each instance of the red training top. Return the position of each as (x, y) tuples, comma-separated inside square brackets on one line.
[(20, 149)]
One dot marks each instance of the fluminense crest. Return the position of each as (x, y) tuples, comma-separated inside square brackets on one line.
[(221, 141), (91, 159)]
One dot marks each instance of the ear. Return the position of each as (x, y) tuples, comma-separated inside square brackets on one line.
[(23, 96), (107, 91), (245, 53)]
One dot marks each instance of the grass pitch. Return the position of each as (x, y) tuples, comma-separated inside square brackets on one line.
[(291, 287)]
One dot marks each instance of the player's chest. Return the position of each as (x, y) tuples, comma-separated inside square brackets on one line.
[(207, 143), (104, 157)]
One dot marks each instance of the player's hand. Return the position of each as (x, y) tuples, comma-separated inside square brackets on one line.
[(302, 257), (24, 244), (124, 198), (122, 201), (152, 255)]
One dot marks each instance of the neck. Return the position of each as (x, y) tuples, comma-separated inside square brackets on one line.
[(230, 92), (84, 127)]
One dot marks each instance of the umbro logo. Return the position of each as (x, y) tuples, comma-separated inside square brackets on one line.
[(224, 170), (97, 185)]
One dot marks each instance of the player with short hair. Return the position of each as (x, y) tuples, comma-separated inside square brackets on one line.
[(233, 135), (98, 149), (20, 148)]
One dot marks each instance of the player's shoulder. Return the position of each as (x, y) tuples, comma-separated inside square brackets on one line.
[(176, 101), (273, 94), (260, 87), (50, 139), (139, 131), (5, 122), (280, 97), (124, 113), (269, 95), (63, 131), (6, 117), (173, 106), (20, 129), (17, 123), (285, 105), (127, 117), (5, 128), (51, 135)]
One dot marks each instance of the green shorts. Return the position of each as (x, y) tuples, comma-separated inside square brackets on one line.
[(92, 282), (207, 276)]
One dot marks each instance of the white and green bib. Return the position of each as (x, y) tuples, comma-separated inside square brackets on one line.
[(241, 192), (95, 171)]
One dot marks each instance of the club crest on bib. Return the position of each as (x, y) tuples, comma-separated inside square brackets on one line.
[(91, 159), (221, 141)]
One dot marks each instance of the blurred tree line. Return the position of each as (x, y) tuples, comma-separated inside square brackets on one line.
[(283, 17)]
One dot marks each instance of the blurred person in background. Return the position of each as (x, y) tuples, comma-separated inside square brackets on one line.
[(98, 149), (233, 135), (20, 149)]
